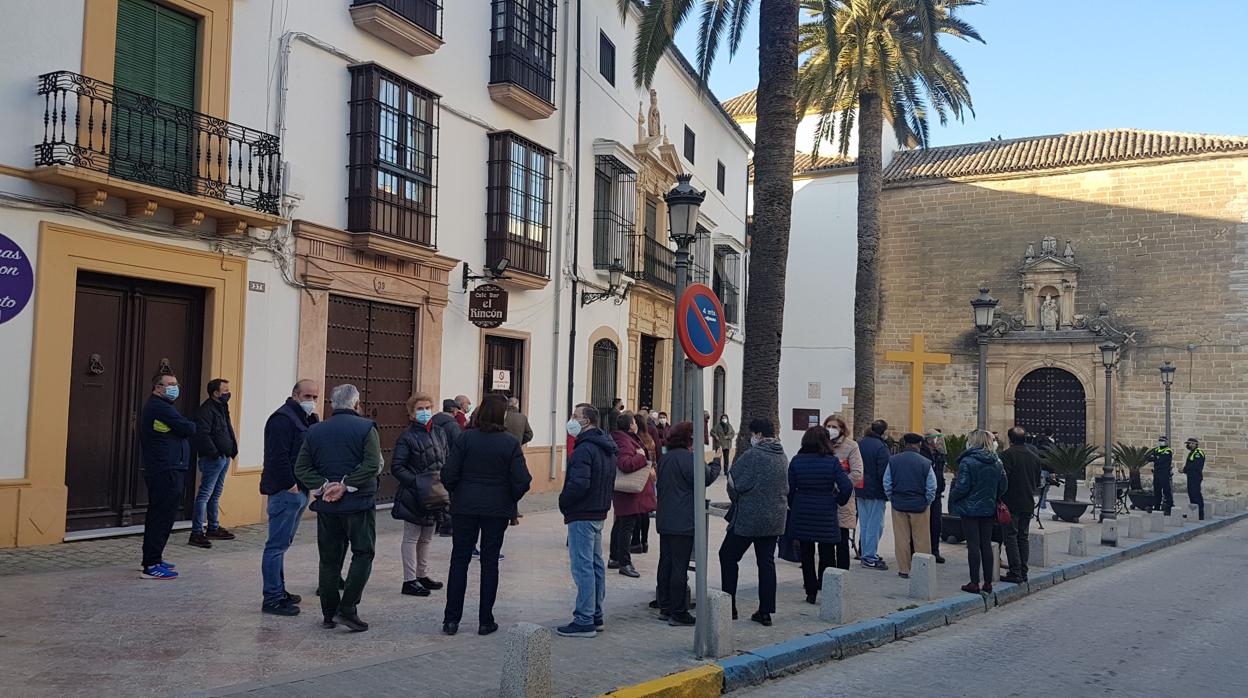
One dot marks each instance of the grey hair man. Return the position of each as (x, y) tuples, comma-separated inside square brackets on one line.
[(465, 408), (516, 423), (340, 463)]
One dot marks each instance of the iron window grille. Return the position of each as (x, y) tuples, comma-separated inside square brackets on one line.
[(523, 41), (606, 57), (606, 365), (97, 126), (700, 257), (392, 183), (426, 14), (518, 204), (727, 281), (615, 205), (691, 140)]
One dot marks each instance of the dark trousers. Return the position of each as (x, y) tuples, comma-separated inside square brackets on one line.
[(842, 557), (622, 536), (1017, 548), (164, 494), (936, 511), (1194, 494), (730, 553), (812, 581), (727, 460), (671, 587), (334, 533), (978, 532), (1163, 489), (467, 529), (641, 531)]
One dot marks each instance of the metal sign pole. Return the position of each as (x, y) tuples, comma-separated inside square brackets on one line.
[(699, 515)]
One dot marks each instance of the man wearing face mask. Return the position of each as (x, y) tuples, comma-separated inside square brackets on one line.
[(217, 446), (588, 491), (1162, 457), (164, 437), (283, 437)]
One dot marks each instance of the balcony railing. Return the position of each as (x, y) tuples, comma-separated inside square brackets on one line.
[(523, 254), (658, 264), (426, 14), (96, 126)]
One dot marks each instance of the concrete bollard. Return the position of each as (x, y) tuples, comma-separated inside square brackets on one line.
[(1110, 531), (719, 626), (923, 577), (1217, 508), (1038, 551), (832, 598), (1159, 521), (1078, 546), (526, 662), (1135, 526)]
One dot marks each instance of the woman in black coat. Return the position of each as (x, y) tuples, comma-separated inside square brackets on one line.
[(420, 449), (486, 475), (818, 484)]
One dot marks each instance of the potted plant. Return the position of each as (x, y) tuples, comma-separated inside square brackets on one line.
[(1134, 458), (951, 524), (1071, 461)]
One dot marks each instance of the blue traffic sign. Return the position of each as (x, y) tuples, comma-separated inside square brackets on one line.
[(700, 325)]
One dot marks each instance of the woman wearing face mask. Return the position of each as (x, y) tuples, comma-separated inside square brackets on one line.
[(422, 448), (818, 486), (722, 437), (846, 450), (641, 533)]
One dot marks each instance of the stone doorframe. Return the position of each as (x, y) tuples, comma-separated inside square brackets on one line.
[(374, 268)]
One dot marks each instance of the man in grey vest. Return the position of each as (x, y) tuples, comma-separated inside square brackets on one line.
[(340, 463)]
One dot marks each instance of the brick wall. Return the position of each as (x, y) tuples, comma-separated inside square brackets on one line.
[(1164, 245)]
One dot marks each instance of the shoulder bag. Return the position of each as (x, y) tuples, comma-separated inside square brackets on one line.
[(431, 492), (631, 483), (1003, 514)]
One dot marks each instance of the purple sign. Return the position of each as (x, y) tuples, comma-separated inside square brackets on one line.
[(17, 279)]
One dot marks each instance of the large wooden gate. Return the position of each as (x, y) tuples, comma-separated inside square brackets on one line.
[(1052, 397)]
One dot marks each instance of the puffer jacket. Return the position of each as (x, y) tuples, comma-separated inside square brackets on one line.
[(851, 459), (589, 484), (818, 485), (980, 483), (874, 461), (628, 460), (419, 449), (758, 487)]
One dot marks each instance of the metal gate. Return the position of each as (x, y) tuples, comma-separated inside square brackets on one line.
[(373, 346), (504, 354), (645, 372), (1052, 398), (602, 388)]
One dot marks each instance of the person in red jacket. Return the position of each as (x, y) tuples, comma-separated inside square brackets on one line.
[(629, 506)]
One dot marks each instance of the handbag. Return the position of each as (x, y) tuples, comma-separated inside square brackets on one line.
[(631, 483), (431, 492), (1003, 514)]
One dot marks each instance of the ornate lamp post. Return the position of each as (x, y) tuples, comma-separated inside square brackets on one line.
[(985, 307), (1109, 357), (683, 203), (1167, 380)]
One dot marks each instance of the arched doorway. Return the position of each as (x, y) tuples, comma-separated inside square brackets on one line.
[(718, 397), (602, 388), (1052, 398)]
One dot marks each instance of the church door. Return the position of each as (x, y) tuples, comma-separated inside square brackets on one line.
[(1052, 398)]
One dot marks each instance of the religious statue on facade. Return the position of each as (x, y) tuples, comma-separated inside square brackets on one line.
[(1048, 247), (653, 129), (1048, 314)]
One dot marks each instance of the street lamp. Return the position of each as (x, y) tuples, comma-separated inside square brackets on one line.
[(616, 283), (1109, 487), (683, 204), (1167, 379), (985, 307)]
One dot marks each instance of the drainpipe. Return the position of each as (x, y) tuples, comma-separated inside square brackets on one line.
[(576, 217), (565, 222)]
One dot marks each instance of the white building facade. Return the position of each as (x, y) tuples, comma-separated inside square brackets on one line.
[(314, 190)]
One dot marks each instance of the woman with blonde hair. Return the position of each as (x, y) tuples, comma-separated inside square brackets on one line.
[(846, 451), (980, 483)]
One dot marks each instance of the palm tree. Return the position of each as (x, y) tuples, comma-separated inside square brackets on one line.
[(775, 141), (1071, 461), (1133, 458), (866, 61)]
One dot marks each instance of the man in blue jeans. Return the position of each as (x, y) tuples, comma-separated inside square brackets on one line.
[(283, 437), (216, 446), (585, 500), (872, 500)]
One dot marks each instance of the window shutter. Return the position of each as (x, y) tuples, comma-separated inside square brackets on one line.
[(133, 67), (157, 50)]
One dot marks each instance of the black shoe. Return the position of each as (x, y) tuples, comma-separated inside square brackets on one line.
[(762, 618), (637, 549), (1013, 579), (413, 588), (940, 560), (293, 599), (280, 608), (449, 628), (328, 623), (219, 533), (630, 571), (352, 622), (613, 565), (664, 617), (654, 604), (487, 628), (429, 583), (734, 614), (682, 618), (812, 599), (199, 540)]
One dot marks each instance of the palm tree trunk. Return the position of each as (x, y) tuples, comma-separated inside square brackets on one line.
[(867, 285), (773, 203)]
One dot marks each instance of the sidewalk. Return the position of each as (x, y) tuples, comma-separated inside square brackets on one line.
[(103, 631)]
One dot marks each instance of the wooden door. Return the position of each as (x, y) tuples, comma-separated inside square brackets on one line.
[(125, 331), (645, 373)]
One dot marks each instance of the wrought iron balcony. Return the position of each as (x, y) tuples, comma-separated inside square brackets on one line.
[(658, 264), (614, 241), (94, 126), (413, 26)]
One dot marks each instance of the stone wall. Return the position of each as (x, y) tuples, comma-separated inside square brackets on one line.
[(1165, 245)]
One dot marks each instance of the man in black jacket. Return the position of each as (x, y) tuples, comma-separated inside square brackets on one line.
[(283, 438), (1022, 472), (871, 499), (585, 500), (445, 420), (934, 450), (216, 447), (163, 435)]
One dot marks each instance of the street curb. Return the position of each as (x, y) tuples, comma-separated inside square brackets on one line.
[(753, 667), (705, 680)]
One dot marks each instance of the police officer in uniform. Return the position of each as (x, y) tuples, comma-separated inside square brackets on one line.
[(1161, 458), (1194, 469)]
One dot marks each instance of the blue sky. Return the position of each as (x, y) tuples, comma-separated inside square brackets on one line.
[(1054, 66)]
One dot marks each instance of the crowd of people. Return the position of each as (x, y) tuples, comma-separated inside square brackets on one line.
[(462, 472)]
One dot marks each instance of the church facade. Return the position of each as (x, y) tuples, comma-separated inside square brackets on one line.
[(1139, 238)]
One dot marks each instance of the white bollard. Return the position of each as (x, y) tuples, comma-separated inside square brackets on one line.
[(526, 662), (923, 577), (1038, 551), (719, 629), (1159, 521), (1135, 526), (1078, 546), (1110, 531), (832, 598)]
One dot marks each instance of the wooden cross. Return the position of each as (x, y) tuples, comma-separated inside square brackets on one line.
[(917, 357)]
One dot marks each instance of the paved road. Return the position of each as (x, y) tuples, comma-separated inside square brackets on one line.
[(1098, 635)]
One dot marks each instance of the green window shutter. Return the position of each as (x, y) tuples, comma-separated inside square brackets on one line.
[(177, 39)]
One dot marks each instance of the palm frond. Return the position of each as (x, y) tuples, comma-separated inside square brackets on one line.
[(715, 14)]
